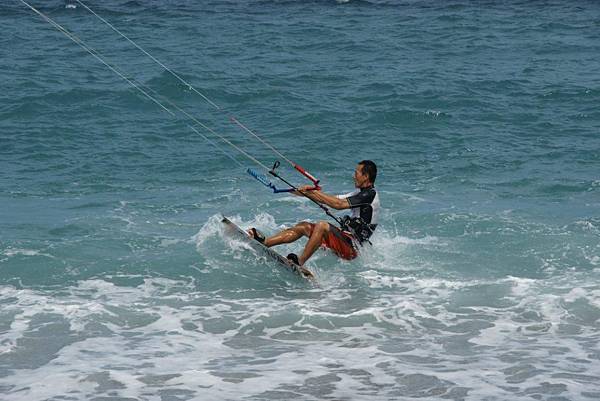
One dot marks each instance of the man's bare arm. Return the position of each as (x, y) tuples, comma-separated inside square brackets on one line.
[(322, 197)]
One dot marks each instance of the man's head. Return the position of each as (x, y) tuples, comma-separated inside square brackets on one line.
[(365, 174)]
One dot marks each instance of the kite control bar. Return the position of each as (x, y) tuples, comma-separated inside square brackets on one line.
[(265, 181), (304, 173), (298, 168)]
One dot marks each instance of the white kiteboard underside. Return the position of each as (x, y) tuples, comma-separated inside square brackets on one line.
[(236, 232)]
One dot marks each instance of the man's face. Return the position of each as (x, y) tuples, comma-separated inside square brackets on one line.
[(360, 179)]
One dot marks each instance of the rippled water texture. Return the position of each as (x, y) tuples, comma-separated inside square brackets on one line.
[(116, 282)]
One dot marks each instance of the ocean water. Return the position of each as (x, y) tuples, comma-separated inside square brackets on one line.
[(483, 282)]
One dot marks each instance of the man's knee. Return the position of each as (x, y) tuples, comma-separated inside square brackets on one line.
[(322, 226), (304, 227)]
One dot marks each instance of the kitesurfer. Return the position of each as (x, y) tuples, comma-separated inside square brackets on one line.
[(356, 228)]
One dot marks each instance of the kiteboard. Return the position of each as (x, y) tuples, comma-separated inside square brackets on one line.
[(232, 230)]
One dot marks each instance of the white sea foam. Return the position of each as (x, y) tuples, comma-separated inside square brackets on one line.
[(375, 328), (10, 252), (163, 334), (211, 228)]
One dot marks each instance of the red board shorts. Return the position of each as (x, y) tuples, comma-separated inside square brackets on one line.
[(338, 241)]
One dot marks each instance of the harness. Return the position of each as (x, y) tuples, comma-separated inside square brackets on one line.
[(358, 228)]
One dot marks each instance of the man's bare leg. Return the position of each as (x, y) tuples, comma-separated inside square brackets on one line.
[(314, 242), (288, 235), (299, 230)]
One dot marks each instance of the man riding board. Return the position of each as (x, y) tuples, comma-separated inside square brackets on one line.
[(357, 228)]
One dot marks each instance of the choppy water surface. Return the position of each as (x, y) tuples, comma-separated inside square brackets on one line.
[(116, 282)]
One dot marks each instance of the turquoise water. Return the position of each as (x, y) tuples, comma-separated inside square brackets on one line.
[(116, 282)]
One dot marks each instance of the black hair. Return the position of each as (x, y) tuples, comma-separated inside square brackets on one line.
[(369, 168)]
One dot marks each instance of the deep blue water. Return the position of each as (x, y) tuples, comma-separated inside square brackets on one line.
[(482, 284)]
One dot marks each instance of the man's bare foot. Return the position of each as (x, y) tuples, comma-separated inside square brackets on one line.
[(257, 235)]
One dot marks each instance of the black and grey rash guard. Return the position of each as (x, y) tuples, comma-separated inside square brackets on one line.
[(364, 204)]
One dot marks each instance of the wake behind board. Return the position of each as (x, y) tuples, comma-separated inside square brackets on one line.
[(236, 232)]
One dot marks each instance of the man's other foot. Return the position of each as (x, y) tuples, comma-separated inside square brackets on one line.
[(257, 235), (294, 258)]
